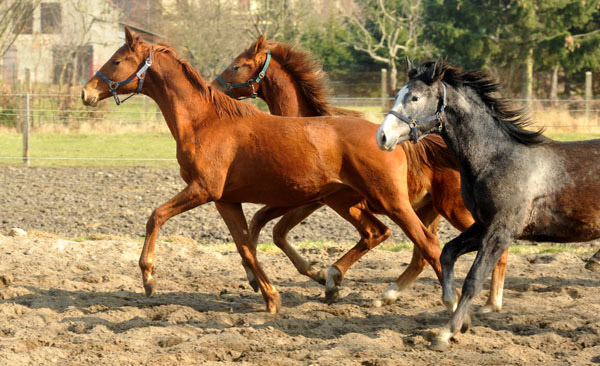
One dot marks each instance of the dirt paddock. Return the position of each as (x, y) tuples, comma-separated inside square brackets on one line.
[(80, 302)]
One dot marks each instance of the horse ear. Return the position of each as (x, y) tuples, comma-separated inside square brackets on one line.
[(260, 44), (434, 70), (439, 69), (409, 65), (131, 38)]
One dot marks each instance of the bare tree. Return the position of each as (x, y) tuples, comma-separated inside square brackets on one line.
[(282, 20), (210, 33), (15, 17), (387, 31)]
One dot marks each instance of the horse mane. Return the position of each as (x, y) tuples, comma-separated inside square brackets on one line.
[(510, 118), (222, 103), (307, 71), (430, 151)]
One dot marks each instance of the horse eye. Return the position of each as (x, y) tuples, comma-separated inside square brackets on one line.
[(236, 68), (116, 62), (414, 98)]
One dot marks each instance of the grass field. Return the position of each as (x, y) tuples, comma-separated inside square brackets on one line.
[(74, 148)]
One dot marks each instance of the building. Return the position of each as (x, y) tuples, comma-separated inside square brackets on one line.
[(65, 42)]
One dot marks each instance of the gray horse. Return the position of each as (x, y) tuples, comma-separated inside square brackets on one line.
[(517, 183)]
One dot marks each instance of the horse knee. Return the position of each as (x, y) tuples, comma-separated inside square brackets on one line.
[(280, 234), (156, 219)]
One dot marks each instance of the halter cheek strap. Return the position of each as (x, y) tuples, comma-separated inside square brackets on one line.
[(139, 75), (250, 83), (413, 123)]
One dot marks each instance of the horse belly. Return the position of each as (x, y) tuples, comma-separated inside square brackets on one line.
[(277, 190), (565, 224)]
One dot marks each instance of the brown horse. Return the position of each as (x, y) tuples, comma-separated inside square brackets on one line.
[(230, 152), (293, 84)]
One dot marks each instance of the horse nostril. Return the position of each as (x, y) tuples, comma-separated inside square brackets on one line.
[(83, 94), (383, 139)]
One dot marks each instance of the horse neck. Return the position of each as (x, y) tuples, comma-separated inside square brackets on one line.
[(179, 101), (472, 134), (283, 93)]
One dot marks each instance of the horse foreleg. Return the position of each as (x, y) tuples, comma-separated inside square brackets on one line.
[(448, 202), (495, 242), (372, 232), (430, 219), (190, 197), (259, 220), (238, 227), (280, 232)]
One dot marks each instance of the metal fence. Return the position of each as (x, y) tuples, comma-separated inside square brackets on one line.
[(64, 113)]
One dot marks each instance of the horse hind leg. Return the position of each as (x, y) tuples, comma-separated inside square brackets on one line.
[(372, 232), (430, 219), (280, 232), (234, 218), (494, 301), (259, 220), (593, 263)]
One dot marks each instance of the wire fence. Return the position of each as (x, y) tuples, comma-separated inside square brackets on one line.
[(31, 114)]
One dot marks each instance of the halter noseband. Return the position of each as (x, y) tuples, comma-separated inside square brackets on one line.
[(228, 86), (139, 75), (413, 123)]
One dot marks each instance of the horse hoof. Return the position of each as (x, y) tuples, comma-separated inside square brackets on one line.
[(149, 287), (377, 303), (592, 265), (274, 305), (489, 308), (254, 284), (331, 295), (439, 345), (319, 277), (466, 324), (322, 277)]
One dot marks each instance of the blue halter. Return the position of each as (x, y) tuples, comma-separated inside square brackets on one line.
[(413, 123), (228, 86), (140, 75)]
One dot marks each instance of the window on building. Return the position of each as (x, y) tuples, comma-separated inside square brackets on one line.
[(51, 17), (24, 16)]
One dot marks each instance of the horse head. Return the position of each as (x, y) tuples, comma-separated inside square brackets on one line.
[(123, 73), (241, 79), (418, 107)]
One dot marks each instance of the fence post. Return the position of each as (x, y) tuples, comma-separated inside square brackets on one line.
[(588, 94), (25, 118), (384, 94)]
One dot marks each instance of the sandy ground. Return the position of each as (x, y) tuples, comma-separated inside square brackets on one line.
[(81, 303)]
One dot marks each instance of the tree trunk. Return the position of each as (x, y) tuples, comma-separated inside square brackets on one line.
[(392, 83), (527, 80), (554, 85), (393, 79)]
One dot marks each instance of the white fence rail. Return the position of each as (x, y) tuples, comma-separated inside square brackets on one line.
[(31, 113)]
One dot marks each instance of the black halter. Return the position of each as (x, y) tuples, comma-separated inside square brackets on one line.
[(140, 75), (413, 123), (228, 86)]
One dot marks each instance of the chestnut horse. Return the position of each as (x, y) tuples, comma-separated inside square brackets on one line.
[(230, 152), (293, 84)]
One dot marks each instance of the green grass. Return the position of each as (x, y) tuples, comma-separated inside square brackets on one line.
[(130, 145), (572, 136), (145, 145)]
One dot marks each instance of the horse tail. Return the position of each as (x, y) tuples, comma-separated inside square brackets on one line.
[(431, 151), (335, 111)]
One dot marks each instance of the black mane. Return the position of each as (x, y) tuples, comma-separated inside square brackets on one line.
[(511, 119)]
